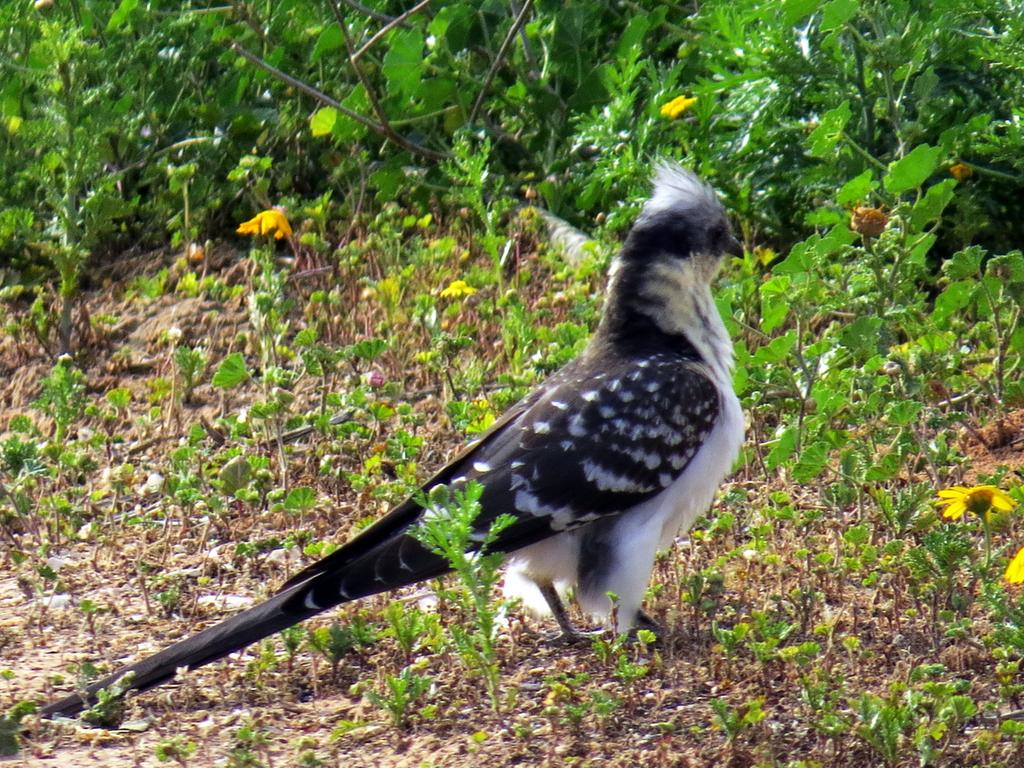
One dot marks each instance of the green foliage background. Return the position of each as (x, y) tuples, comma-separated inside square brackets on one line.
[(101, 101)]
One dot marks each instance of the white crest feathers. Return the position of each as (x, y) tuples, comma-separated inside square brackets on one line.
[(676, 188)]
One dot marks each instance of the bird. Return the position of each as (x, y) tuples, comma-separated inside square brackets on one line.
[(599, 467)]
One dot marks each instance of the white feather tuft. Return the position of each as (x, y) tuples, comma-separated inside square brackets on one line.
[(676, 188)]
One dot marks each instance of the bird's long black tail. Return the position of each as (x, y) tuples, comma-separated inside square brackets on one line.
[(378, 560), (382, 557), (211, 644)]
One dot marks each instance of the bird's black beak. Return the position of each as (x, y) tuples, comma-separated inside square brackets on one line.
[(733, 247)]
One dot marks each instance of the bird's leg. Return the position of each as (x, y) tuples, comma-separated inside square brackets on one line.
[(569, 632), (644, 621)]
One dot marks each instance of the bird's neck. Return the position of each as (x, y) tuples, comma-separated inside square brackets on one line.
[(668, 305)]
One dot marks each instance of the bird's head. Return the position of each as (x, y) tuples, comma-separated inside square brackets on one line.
[(683, 222), (661, 278)]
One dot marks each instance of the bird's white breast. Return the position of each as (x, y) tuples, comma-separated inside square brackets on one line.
[(691, 494)]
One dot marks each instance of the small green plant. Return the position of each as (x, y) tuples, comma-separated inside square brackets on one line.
[(291, 638), (884, 724), (400, 693), (449, 528), (190, 363), (250, 747), (306, 755), (410, 627), (108, 711), (733, 722), (703, 592), (10, 724), (63, 397), (177, 749), (335, 641), (90, 610)]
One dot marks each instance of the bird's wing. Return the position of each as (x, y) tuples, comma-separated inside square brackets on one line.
[(398, 520), (601, 436)]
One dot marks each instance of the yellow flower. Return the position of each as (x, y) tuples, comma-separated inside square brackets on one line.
[(765, 255), (265, 222), (1015, 570), (677, 106), (980, 500), (458, 289)]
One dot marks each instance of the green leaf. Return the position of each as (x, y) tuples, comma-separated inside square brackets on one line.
[(931, 206), (782, 449), (955, 297), (856, 189), (799, 259), (911, 171), (862, 336), (403, 63), (857, 535), (775, 302), (387, 180), (833, 241), (824, 138), (794, 11), (306, 337), (235, 475), (776, 350), (300, 499), (925, 84), (120, 16), (811, 463), (837, 13), (1017, 340), (369, 349), (119, 397), (346, 129), (573, 25), (330, 40), (1009, 267), (323, 120), (903, 412), (919, 251), (633, 36), (965, 263), (231, 372), (453, 25)]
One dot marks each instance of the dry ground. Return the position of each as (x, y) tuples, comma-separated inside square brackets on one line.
[(663, 719)]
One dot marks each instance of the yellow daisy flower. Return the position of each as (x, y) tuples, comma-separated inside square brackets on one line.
[(677, 106), (265, 222), (979, 500), (1015, 570), (458, 289)]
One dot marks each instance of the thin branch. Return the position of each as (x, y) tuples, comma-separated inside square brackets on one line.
[(368, 11), (375, 105), (516, 26), (523, 39), (195, 11), (309, 90), (385, 29), (863, 152)]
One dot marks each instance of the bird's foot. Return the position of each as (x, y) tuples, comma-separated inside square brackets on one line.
[(572, 636), (645, 622)]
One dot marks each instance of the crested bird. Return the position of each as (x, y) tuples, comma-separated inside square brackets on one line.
[(600, 467)]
